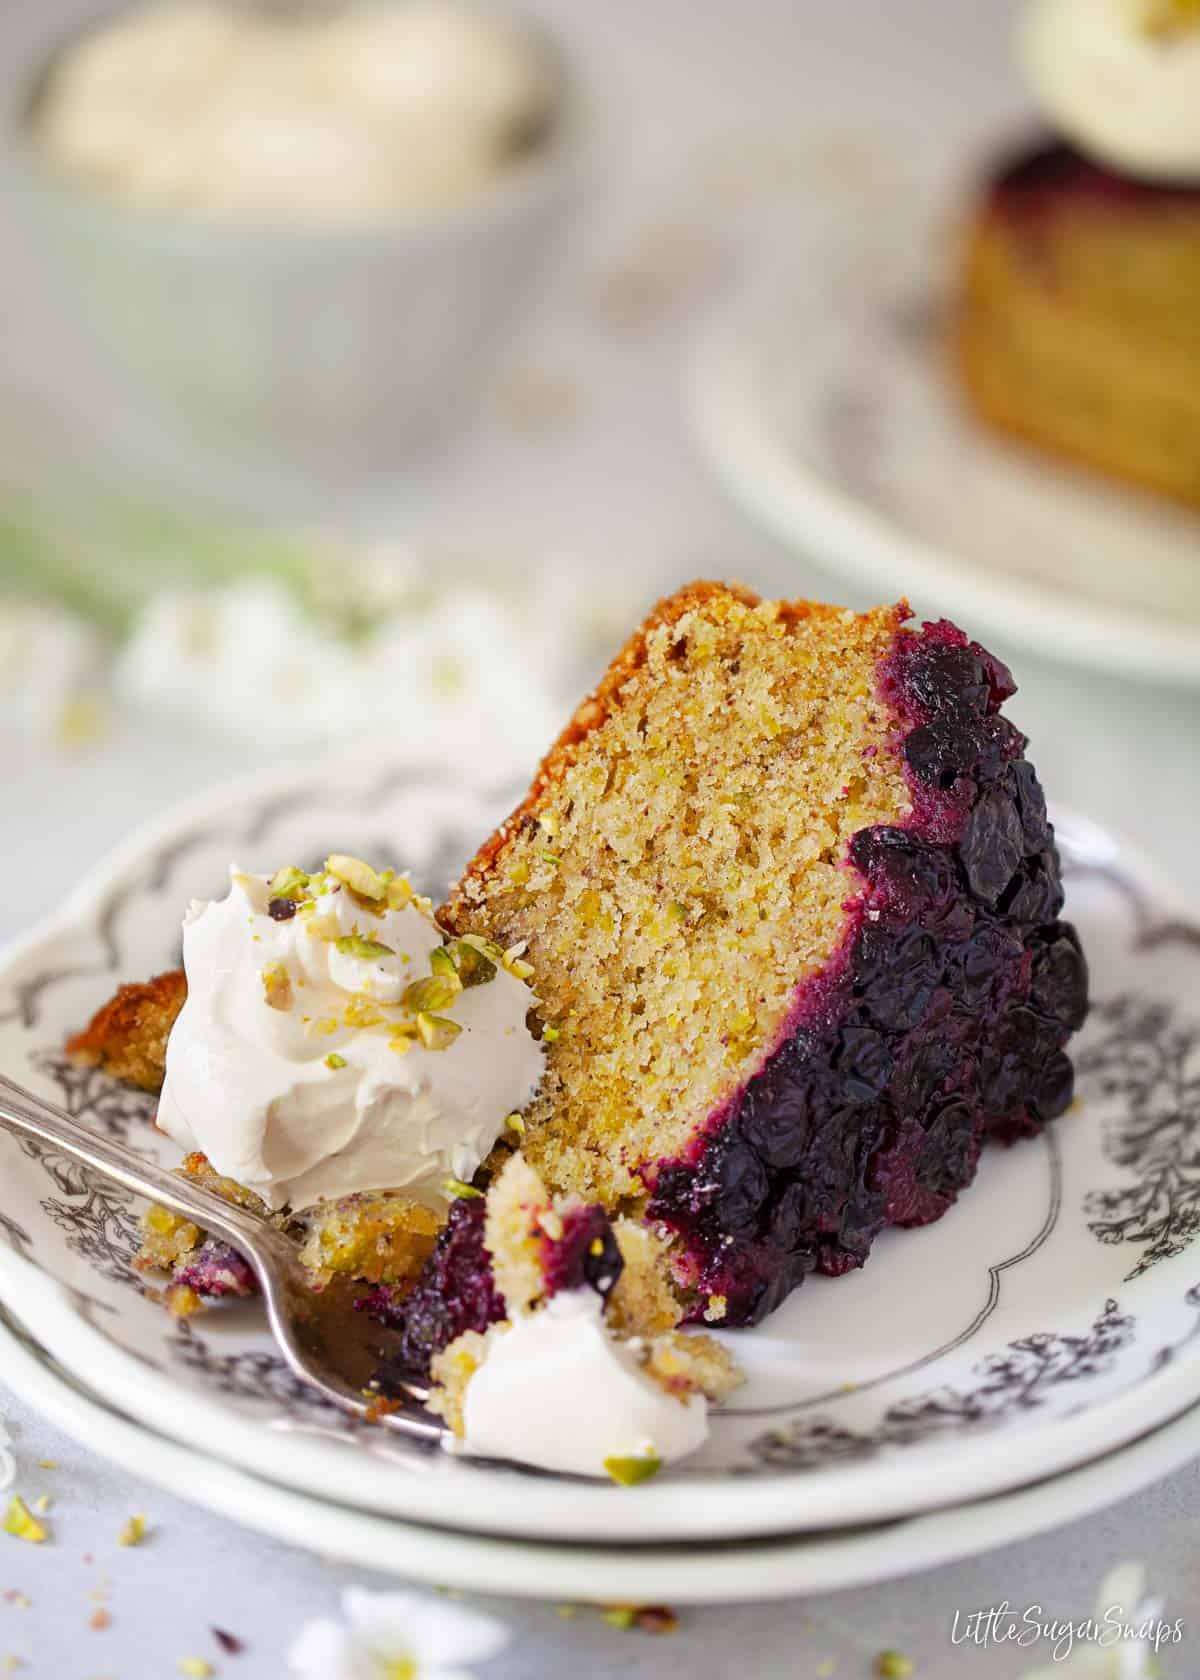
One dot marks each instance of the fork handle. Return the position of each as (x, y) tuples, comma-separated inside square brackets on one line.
[(23, 1112)]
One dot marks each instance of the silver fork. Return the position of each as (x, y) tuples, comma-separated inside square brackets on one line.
[(287, 1294)]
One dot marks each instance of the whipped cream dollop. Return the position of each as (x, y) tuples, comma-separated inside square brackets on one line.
[(333, 1042), (560, 1391), (330, 113), (1121, 88)]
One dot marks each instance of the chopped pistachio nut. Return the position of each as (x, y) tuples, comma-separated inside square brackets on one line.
[(473, 966), (676, 912), (550, 1034), (362, 1012), (513, 961), (399, 893), (486, 947), (352, 872), (456, 1187), (619, 1615), (435, 1031), (369, 950), (20, 1522), (196, 1668), (334, 1061), (630, 1471), (892, 1665), (550, 823), (133, 1532), (515, 1123), (288, 883), (325, 1026), (433, 993), (277, 986), (552, 858), (442, 964)]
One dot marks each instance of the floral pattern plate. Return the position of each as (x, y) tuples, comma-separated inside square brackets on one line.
[(723, 1572), (1052, 1316)]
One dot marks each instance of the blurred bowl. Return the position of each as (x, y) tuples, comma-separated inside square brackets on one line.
[(308, 346)]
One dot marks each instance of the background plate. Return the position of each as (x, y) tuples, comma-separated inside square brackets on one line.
[(826, 402), (1049, 1318)]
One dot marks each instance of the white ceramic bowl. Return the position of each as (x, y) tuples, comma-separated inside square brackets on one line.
[(324, 348)]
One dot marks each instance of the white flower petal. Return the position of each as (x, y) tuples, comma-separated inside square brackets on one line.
[(434, 1633), (328, 1651), (1122, 1589)]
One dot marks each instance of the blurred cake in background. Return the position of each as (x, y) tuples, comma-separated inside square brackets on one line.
[(1078, 326)]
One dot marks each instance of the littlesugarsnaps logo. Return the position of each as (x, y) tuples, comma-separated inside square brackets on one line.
[(1140, 1629)]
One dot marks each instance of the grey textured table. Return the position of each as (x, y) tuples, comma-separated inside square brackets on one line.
[(195, 1572), (612, 486)]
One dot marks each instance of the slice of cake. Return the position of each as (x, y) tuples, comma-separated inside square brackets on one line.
[(1076, 326), (791, 899)]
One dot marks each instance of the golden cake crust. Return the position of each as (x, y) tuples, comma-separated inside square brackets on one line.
[(127, 1036)]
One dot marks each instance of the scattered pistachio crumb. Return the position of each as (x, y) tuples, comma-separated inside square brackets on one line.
[(133, 1532), (196, 1668), (826, 1668), (334, 1061), (435, 1031), (550, 1034), (516, 1124), (436, 991), (358, 945), (20, 1522), (619, 1615), (632, 1470), (893, 1665), (657, 1618), (42, 1503), (47, 1464), (456, 1187)]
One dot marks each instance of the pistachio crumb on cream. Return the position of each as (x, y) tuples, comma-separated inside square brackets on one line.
[(334, 1041)]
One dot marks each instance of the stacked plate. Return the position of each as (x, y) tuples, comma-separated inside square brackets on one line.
[(1030, 1357)]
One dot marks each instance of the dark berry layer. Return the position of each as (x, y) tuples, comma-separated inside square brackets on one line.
[(586, 1256), (456, 1292), (453, 1293), (1051, 173), (941, 1022)]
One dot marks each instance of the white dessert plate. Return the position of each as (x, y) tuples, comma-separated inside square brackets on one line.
[(1049, 1318), (743, 1570), (825, 401)]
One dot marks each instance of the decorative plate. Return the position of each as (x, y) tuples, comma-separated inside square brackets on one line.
[(826, 403), (1050, 1317), (677, 1574)]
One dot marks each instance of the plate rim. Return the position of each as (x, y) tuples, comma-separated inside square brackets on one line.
[(839, 534), (506, 1503), (735, 1572)]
